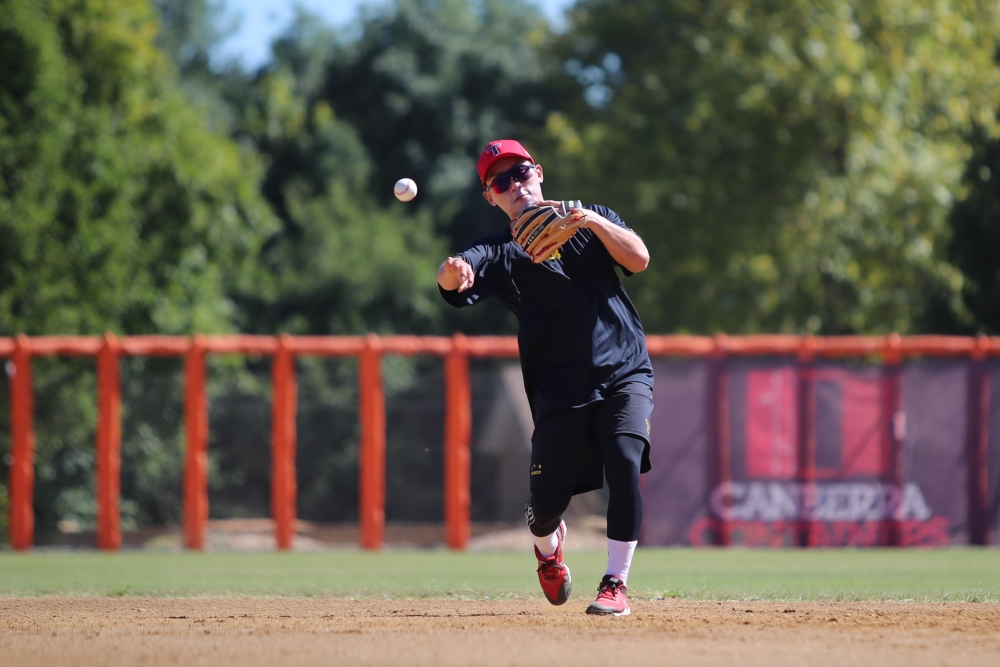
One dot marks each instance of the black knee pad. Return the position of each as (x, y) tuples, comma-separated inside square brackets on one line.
[(545, 508)]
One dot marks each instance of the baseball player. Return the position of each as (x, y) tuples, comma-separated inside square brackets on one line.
[(583, 357)]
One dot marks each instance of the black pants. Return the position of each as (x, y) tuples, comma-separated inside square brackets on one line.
[(573, 446), (574, 450), (547, 503)]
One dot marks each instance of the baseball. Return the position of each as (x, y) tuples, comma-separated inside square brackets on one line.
[(405, 189)]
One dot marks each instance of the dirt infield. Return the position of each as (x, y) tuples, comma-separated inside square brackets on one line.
[(131, 631)]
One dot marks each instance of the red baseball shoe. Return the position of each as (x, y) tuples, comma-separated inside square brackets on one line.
[(612, 598), (553, 574)]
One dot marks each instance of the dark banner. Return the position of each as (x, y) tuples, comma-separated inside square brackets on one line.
[(993, 420), (676, 490), (770, 452)]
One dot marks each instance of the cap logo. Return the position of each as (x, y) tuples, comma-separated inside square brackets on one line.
[(494, 149)]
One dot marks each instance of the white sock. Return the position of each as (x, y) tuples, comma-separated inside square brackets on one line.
[(620, 558), (546, 545)]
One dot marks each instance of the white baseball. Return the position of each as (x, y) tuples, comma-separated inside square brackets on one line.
[(405, 189)]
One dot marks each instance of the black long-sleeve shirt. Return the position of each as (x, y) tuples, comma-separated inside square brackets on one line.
[(579, 334)]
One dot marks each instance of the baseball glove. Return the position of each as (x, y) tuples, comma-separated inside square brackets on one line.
[(541, 230)]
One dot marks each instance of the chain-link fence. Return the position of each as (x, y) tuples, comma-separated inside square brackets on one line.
[(152, 449), (328, 431), (65, 419), (414, 452), (5, 455), (501, 445), (239, 455), (239, 437), (903, 437)]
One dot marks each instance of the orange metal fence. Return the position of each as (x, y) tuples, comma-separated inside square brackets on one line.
[(455, 351)]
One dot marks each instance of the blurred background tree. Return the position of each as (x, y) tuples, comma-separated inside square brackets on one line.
[(119, 210), (790, 164), (343, 261), (974, 247), (414, 88), (428, 83)]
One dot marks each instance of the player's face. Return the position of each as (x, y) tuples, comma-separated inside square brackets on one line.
[(519, 183)]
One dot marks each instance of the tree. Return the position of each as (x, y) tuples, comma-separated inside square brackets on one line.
[(414, 87), (190, 31), (119, 210), (975, 238), (791, 164), (428, 83), (341, 261), (425, 84)]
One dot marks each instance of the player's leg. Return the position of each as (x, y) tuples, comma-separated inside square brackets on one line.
[(624, 503), (623, 429), (544, 512), (553, 479), (621, 469)]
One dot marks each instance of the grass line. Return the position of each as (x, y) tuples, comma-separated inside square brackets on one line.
[(971, 575)]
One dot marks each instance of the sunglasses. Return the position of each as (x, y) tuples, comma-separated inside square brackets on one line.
[(519, 173)]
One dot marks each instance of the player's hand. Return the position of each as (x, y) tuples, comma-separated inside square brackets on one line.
[(456, 272), (586, 215)]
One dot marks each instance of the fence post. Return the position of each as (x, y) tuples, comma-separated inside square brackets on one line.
[(457, 436), (893, 431), (371, 464), (109, 401), (977, 452), (283, 485), (807, 441), (196, 455), (22, 469), (718, 396)]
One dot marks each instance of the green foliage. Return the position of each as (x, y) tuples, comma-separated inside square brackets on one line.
[(975, 224), (428, 83), (342, 262), (118, 209), (65, 416), (424, 85), (791, 164), (190, 30), (189, 34), (152, 451)]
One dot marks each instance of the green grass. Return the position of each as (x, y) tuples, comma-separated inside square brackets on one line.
[(922, 575)]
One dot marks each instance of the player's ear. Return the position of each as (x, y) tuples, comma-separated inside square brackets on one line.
[(541, 173), (488, 196)]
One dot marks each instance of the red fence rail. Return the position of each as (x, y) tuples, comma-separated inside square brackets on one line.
[(456, 351)]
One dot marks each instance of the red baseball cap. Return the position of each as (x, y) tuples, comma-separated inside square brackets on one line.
[(497, 150)]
